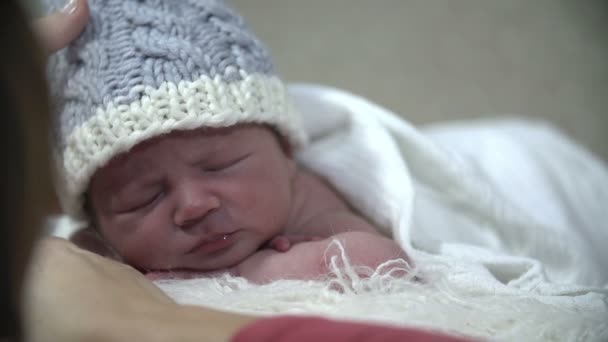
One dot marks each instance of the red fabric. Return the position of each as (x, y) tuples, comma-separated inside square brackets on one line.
[(307, 329)]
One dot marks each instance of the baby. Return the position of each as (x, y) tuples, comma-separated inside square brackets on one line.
[(175, 141)]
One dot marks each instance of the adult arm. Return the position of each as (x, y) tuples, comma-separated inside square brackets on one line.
[(75, 295), (296, 329)]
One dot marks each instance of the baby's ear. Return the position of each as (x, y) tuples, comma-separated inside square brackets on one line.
[(292, 167), (289, 154), (285, 146), (287, 149)]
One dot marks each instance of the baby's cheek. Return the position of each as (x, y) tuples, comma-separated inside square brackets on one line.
[(264, 207), (139, 256), (149, 252), (141, 248)]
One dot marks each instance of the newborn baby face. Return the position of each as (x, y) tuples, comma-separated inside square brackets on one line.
[(196, 200)]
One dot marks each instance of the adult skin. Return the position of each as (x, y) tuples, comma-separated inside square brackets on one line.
[(58, 29)]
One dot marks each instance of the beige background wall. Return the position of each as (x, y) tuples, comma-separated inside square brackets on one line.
[(434, 60)]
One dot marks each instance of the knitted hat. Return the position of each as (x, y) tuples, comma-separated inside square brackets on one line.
[(143, 68)]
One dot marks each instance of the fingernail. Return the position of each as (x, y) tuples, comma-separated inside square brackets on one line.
[(70, 7)]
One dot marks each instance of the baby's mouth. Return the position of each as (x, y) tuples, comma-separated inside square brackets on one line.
[(212, 244)]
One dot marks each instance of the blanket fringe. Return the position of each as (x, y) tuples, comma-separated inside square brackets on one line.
[(397, 294)]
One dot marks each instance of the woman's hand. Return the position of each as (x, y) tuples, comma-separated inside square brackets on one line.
[(74, 295), (58, 29)]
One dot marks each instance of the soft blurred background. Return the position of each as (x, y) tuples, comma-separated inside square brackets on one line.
[(438, 60)]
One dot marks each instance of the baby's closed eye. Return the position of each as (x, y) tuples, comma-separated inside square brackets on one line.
[(224, 163), (136, 200)]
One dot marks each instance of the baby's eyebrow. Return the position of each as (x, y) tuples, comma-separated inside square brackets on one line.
[(214, 151), (198, 158)]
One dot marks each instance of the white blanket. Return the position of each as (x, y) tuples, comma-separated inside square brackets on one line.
[(504, 219), (513, 196)]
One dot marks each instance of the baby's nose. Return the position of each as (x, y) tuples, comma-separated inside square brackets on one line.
[(193, 205)]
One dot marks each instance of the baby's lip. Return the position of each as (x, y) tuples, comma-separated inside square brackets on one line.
[(212, 243)]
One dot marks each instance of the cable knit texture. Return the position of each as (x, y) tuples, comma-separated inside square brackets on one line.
[(144, 68)]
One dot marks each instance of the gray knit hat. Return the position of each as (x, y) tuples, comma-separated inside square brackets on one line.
[(143, 68)]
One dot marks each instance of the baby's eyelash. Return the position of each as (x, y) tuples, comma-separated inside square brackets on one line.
[(142, 204)]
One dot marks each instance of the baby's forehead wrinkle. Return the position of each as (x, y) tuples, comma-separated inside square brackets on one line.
[(143, 164), (125, 170), (193, 145), (204, 133)]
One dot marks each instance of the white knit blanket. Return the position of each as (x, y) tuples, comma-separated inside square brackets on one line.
[(506, 221)]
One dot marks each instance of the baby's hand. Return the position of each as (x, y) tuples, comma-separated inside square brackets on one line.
[(282, 243)]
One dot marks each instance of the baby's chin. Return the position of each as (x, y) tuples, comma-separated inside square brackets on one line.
[(183, 274), (194, 266), (188, 270)]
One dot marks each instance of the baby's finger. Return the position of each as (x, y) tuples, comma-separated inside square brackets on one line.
[(279, 243)]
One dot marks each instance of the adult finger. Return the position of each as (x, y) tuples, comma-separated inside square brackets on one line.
[(58, 29)]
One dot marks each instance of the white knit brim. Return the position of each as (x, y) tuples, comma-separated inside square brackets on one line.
[(205, 102)]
